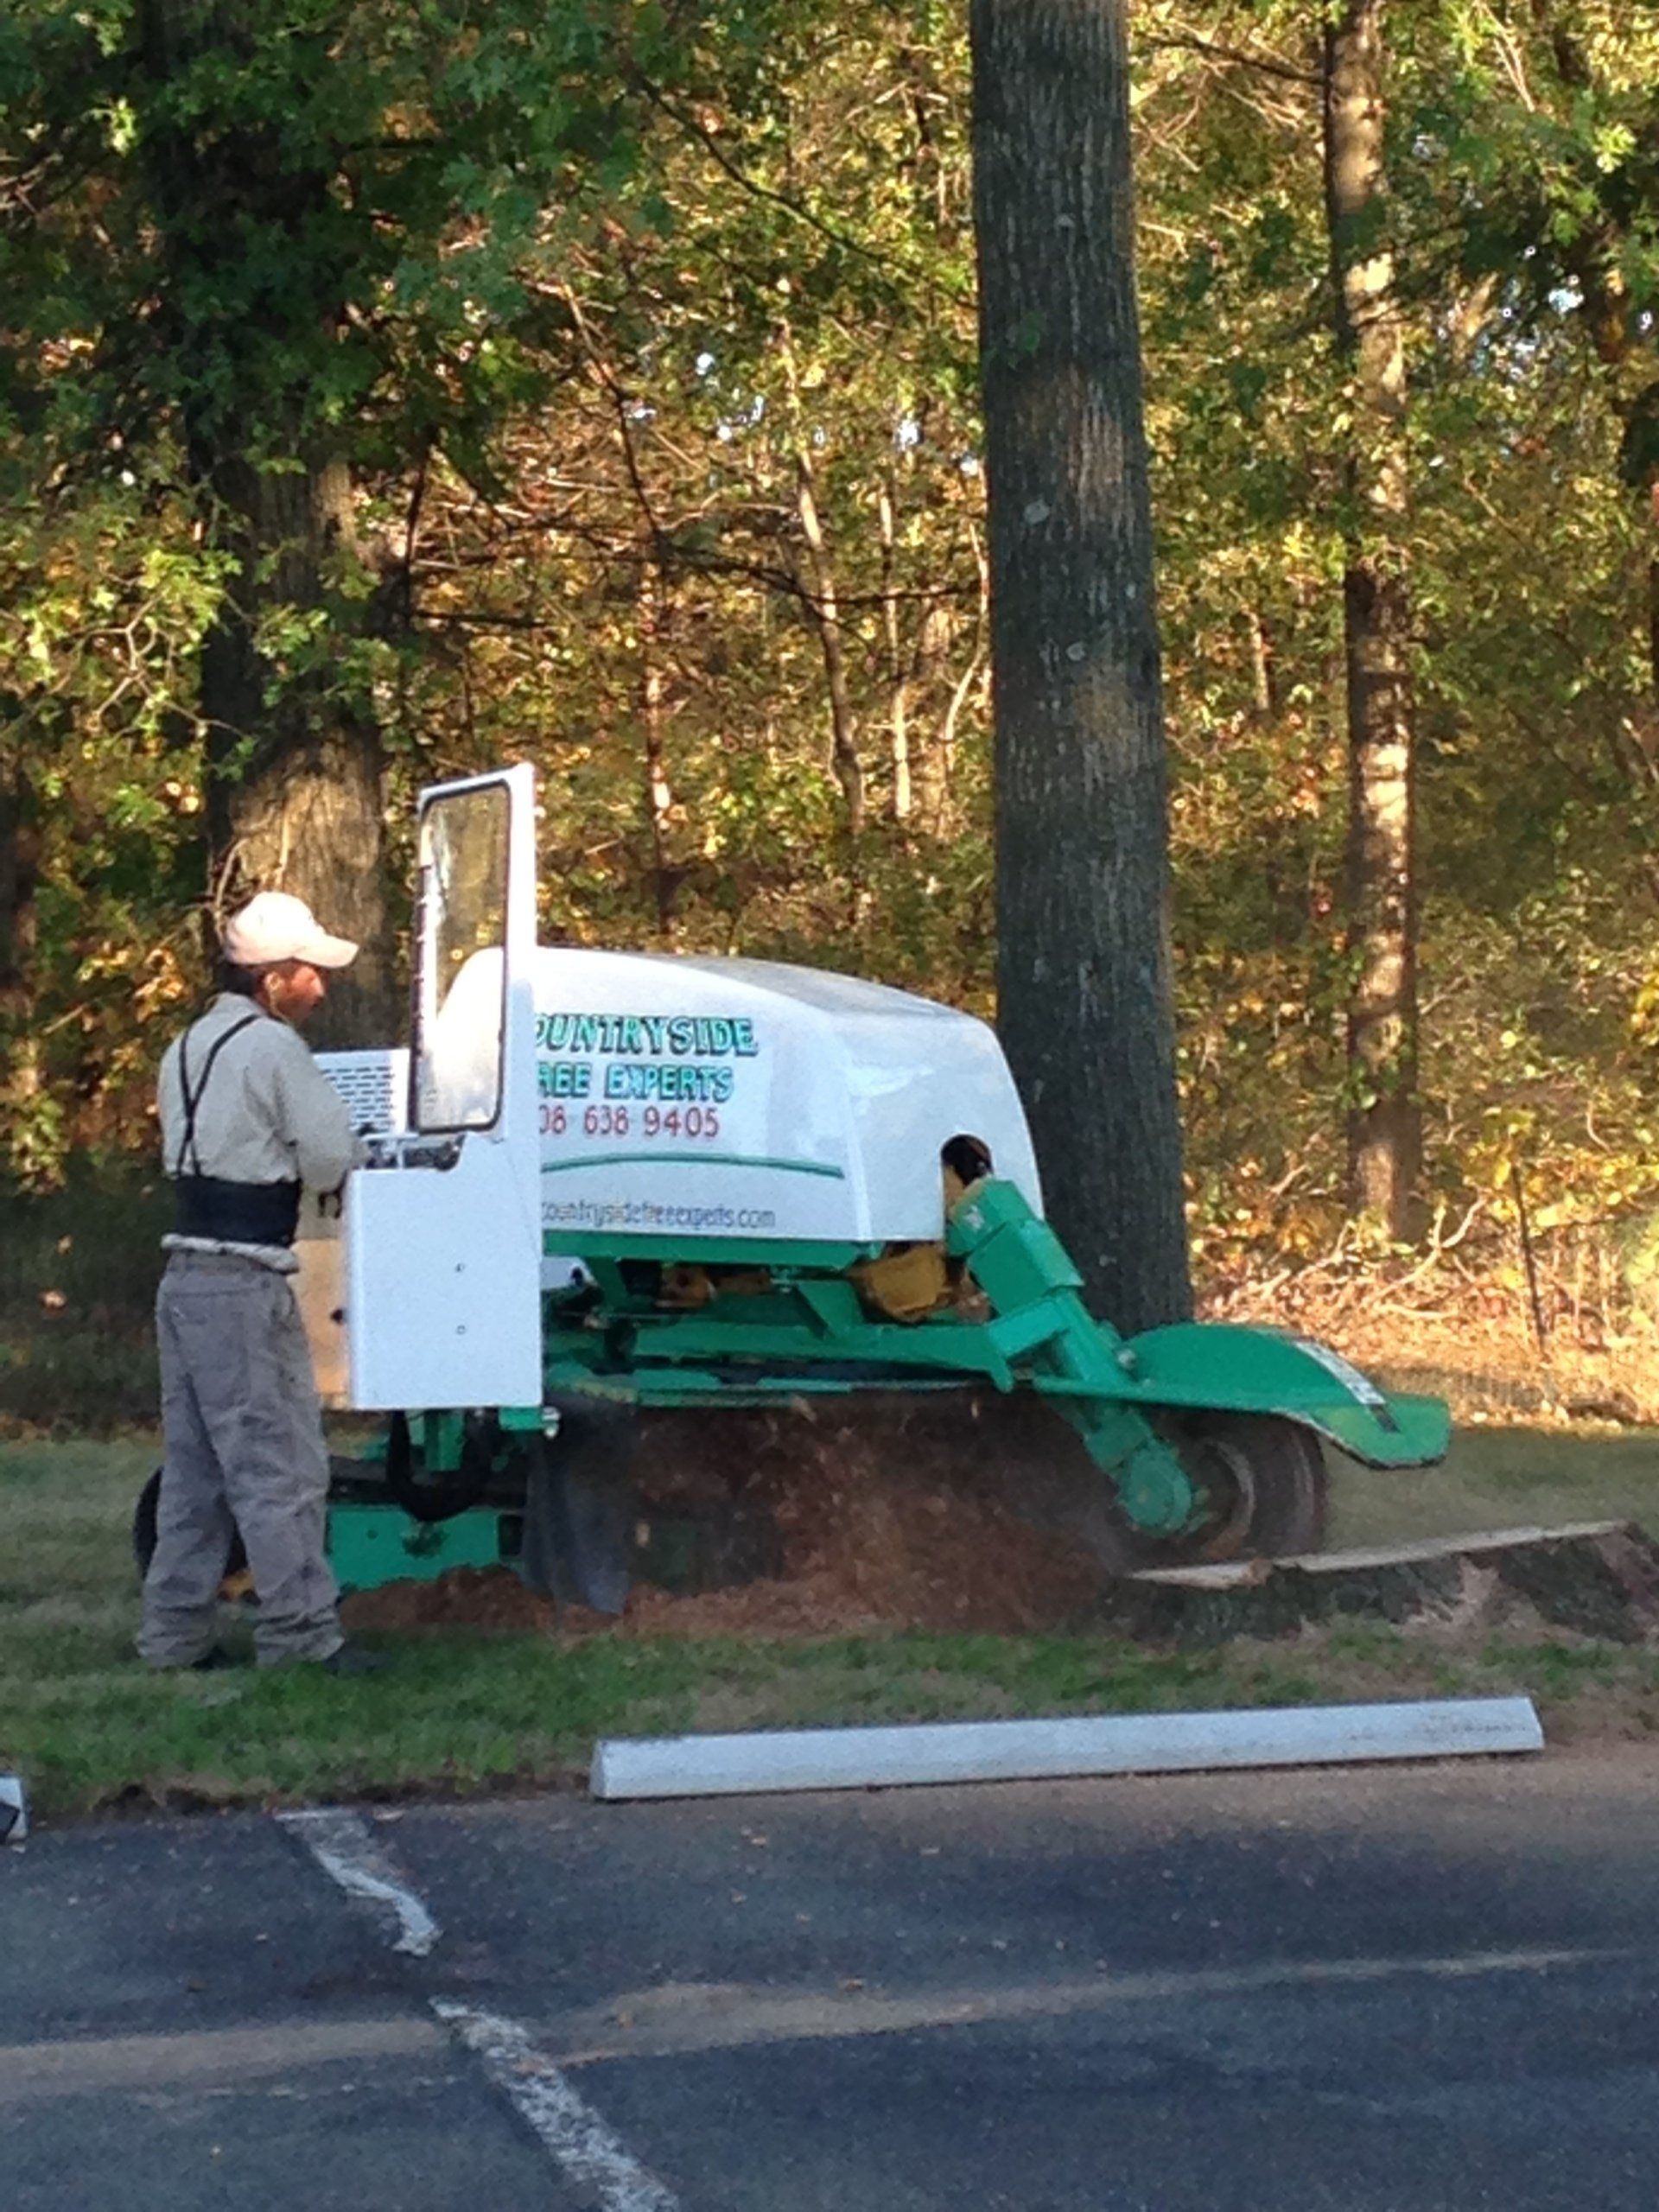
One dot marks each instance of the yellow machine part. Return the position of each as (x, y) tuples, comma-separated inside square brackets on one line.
[(685, 1286), (907, 1283)]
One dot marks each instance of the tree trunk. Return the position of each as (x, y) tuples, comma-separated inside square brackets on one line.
[(1620, 328), (818, 584), (294, 794), (975, 676), (932, 684), (1263, 694), (20, 867), (658, 792), (1084, 964), (20, 1059), (1385, 1119), (293, 762), (845, 762), (898, 672)]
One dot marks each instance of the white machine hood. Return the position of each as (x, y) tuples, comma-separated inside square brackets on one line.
[(743, 1098)]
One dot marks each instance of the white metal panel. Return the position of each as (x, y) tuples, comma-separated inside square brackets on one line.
[(1028, 1751), (443, 1262), (444, 1284)]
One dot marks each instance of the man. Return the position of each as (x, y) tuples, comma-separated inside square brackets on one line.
[(247, 1117)]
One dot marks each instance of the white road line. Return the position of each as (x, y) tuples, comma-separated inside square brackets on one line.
[(342, 1845), (579, 2142)]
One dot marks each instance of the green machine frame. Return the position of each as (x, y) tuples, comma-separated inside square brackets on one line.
[(782, 1321)]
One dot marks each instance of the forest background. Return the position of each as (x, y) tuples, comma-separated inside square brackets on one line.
[(598, 385)]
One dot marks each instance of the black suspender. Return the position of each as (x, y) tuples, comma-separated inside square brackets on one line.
[(193, 1098)]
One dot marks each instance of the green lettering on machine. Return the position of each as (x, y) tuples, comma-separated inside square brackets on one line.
[(653, 1036), (692, 1086)]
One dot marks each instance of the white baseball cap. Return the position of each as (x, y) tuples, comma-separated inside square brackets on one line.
[(274, 925)]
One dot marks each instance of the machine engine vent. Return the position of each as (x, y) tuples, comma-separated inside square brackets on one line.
[(375, 1086)]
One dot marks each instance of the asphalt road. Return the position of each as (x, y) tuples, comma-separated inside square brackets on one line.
[(1388, 1990)]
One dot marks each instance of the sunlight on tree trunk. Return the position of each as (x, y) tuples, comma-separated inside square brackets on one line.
[(898, 674), (658, 793), (1385, 1120), (823, 604)]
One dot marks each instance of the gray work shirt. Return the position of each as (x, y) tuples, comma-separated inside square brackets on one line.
[(268, 1114)]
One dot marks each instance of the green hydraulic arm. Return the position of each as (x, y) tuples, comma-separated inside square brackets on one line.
[(1041, 1326)]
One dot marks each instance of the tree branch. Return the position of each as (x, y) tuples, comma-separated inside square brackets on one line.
[(910, 273), (1268, 65)]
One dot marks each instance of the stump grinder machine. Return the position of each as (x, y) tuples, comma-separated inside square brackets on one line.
[(598, 1182)]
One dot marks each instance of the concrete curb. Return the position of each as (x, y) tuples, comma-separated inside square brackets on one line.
[(14, 1809), (1031, 1751)]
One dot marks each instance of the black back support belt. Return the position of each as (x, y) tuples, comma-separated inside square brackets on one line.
[(238, 1213)]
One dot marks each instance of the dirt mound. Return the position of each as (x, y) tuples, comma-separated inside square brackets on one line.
[(466, 1597), (861, 1514), (958, 1513), (901, 1512)]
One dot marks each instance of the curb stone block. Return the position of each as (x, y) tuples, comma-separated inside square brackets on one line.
[(14, 1809)]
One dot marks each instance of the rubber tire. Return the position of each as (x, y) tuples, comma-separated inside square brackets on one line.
[(1292, 1483), (445, 1495), (143, 1531), (1276, 1508)]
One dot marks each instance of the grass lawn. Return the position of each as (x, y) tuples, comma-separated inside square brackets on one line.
[(462, 1712), (1502, 1477)]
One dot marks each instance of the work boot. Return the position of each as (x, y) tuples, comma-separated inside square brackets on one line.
[(352, 1659)]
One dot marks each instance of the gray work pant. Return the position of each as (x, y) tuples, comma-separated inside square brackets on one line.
[(243, 1444)]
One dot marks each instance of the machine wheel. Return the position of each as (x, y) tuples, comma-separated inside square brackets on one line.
[(143, 1532), (1263, 1482), (440, 1498)]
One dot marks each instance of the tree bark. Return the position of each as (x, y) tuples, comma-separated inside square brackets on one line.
[(658, 792), (1385, 1116), (1083, 963), (295, 775), (1620, 329), (845, 762), (898, 672), (20, 875), (938, 637), (293, 765), (818, 589), (933, 683), (1263, 694)]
